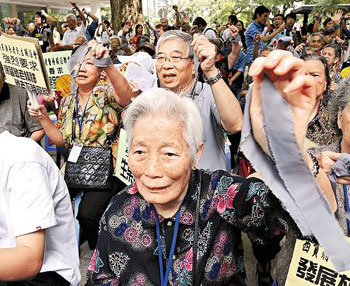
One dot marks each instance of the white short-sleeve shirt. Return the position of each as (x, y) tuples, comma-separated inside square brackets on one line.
[(70, 35), (34, 196)]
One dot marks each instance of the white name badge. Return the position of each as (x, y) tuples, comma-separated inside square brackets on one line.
[(75, 153)]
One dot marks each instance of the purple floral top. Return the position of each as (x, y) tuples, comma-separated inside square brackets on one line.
[(127, 254)]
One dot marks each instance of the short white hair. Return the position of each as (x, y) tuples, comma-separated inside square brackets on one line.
[(159, 102), (72, 17), (176, 35)]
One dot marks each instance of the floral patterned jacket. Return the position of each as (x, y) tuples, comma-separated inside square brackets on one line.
[(101, 118), (126, 252)]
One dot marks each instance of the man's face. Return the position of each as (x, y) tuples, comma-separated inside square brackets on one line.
[(114, 44), (10, 31), (229, 22), (290, 22), (175, 76), (328, 38), (37, 20), (164, 23), (278, 21), (79, 21), (329, 25), (261, 19), (71, 24), (316, 43)]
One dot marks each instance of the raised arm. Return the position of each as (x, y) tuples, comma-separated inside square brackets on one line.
[(92, 16), (122, 90), (49, 18), (273, 34), (299, 90), (226, 103), (81, 14)]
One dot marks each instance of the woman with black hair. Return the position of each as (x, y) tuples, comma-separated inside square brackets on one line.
[(138, 33)]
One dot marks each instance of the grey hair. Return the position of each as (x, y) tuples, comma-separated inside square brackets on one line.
[(316, 34), (341, 97), (81, 37), (339, 100), (114, 37), (159, 102), (178, 35), (72, 17)]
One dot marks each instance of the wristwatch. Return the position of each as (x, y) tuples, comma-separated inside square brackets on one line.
[(213, 79)]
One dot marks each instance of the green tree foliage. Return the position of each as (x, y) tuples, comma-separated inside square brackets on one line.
[(219, 10)]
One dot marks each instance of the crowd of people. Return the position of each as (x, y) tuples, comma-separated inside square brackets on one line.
[(180, 221)]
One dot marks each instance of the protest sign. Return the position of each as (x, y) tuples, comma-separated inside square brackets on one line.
[(122, 169), (56, 65), (23, 64), (311, 266)]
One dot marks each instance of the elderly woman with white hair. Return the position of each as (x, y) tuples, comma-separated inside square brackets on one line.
[(173, 213)]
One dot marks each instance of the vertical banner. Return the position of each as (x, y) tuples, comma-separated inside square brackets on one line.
[(56, 65), (311, 266), (122, 169), (23, 63)]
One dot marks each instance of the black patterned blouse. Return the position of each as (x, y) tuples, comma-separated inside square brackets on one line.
[(127, 254), (321, 129)]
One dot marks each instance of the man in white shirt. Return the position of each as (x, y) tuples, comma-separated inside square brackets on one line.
[(37, 236), (74, 32)]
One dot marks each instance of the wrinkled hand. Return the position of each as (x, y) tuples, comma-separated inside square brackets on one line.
[(39, 112), (317, 14), (337, 16), (299, 48), (233, 31), (339, 40), (193, 29), (327, 160), (74, 4), (98, 50), (282, 27), (289, 77), (206, 53)]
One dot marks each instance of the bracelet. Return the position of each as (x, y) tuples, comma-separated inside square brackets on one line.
[(315, 165), (213, 79)]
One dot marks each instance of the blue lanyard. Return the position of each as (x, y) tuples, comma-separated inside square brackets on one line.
[(347, 208), (164, 279), (81, 121)]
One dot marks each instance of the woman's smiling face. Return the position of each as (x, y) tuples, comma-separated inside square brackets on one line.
[(160, 160)]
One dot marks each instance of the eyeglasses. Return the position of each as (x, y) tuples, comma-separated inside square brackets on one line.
[(160, 60)]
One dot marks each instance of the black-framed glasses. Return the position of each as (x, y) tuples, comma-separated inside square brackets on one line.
[(160, 60)]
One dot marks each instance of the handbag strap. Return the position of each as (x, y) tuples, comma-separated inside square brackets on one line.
[(196, 230)]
